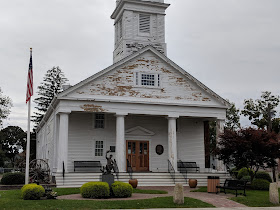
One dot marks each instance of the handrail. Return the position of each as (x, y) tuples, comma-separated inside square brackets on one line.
[(129, 168), (116, 169), (171, 171), (183, 170), (63, 169)]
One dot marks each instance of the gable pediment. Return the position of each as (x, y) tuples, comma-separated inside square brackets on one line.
[(118, 83), (139, 131)]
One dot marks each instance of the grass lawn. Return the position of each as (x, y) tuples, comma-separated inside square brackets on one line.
[(254, 198), (149, 191), (12, 200)]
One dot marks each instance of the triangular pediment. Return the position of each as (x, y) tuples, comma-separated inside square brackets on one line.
[(117, 83), (139, 131)]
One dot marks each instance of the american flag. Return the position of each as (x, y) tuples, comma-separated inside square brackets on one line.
[(29, 91)]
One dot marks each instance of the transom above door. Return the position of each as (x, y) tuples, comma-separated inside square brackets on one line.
[(137, 153)]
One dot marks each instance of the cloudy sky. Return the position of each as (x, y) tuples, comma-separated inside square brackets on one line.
[(231, 46)]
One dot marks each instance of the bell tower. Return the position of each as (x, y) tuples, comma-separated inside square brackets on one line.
[(138, 23)]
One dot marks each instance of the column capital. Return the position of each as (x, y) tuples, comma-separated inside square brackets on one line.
[(172, 117), (121, 114), (64, 111)]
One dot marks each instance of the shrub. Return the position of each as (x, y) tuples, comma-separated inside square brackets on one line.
[(13, 178), (32, 192), (122, 190), (233, 172), (263, 175), (244, 172), (95, 190), (260, 184), (246, 178)]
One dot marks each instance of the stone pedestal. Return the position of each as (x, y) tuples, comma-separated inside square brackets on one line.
[(178, 197), (109, 178), (273, 193)]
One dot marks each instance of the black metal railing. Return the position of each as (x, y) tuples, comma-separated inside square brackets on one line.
[(183, 170), (171, 171), (116, 169), (129, 169), (63, 169)]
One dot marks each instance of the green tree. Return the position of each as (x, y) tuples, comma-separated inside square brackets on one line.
[(232, 117), (13, 139), (261, 110), (5, 106), (47, 90), (2, 158)]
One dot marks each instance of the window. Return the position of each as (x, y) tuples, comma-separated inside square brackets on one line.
[(99, 121), (121, 28), (99, 146), (147, 80), (144, 23)]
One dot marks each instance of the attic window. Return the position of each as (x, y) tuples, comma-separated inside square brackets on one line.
[(144, 23), (147, 80)]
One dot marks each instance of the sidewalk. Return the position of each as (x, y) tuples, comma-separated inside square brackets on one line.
[(234, 208), (220, 200)]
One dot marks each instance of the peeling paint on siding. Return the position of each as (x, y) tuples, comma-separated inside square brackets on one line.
[(92, 108), (121, 82)]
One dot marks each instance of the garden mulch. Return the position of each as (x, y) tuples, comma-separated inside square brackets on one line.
[(219, 200)]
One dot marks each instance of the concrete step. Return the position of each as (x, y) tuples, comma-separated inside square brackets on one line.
[(144, 179)]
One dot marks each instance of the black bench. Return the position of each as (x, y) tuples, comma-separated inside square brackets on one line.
[(88, 164), (234, 185), (184, 166)]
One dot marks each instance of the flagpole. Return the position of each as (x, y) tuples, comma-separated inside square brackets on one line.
[(28, 139), (28, 145)]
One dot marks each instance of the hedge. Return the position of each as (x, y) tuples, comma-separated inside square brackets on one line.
[(121, 190), (13, 178), (263, 175), (246, 178), (260, 184), (244, 172), (32, 192), (95, 190)]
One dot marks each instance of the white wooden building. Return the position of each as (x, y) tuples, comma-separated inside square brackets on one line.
[(141, 101)]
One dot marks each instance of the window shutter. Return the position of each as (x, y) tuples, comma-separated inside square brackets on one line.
[(144, 23), (121, 28)]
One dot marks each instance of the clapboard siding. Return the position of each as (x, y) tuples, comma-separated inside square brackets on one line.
[(45, 142), (190, 140), (82, 138), (119, 84)]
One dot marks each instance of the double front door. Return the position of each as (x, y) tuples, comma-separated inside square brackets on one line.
[(137, 154)]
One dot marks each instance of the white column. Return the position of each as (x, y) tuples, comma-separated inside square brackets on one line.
[(220, 130), (172, 142), (120, 142), (56, 138), (62, 152)]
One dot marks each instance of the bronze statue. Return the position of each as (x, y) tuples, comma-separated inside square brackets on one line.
[(110, 164)]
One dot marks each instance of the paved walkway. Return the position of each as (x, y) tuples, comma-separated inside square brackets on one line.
[(220, 200)]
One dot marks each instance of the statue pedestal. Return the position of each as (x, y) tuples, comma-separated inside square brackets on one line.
[(109, 178)]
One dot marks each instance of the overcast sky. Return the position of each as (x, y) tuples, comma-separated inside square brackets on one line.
[(231, 46)]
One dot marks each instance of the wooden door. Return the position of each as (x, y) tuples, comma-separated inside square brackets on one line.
[(137, 153)]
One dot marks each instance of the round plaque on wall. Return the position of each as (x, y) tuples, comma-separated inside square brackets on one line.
[(159, 149)]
